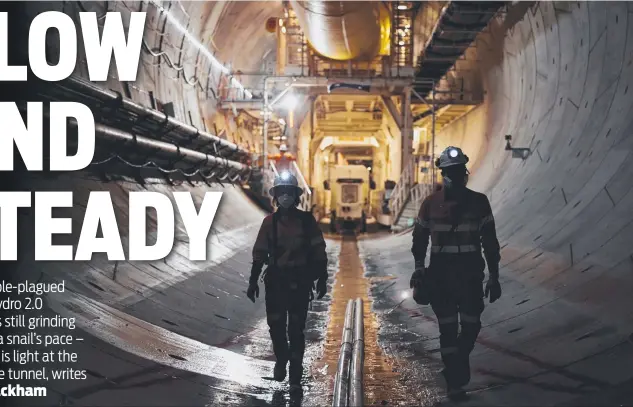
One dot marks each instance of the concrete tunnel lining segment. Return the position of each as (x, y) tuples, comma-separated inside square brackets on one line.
[(559, 83)]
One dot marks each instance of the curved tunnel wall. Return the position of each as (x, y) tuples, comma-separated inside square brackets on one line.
[(203, 301), (558, 80), (562, 90), (563, 216)]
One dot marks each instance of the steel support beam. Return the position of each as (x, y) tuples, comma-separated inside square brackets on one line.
[(406, 130), (393, 110)]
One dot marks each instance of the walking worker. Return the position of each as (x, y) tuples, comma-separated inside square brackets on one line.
[(460, 223), (292, 245)]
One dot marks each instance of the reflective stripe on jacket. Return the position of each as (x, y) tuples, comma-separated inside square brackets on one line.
[(463, 226), (295, 246)]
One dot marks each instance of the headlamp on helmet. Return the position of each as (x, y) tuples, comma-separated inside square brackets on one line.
[(451, 156)]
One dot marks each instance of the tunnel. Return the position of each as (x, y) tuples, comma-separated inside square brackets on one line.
[(541, 108)]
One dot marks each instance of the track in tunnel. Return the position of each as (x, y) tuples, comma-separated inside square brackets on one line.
[(561, 82), (381, 379)]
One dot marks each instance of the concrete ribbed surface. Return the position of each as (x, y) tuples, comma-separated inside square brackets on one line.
[(558, 80)]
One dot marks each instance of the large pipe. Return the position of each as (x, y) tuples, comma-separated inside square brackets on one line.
[(191, 156), (188, 132), (341, 383), (345, 30), (358, 355)]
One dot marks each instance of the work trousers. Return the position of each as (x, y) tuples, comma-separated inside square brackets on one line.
[(457, 299), (287, 305)]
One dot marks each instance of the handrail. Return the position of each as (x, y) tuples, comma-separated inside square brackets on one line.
[(400, 193), (300, 177), (419, 192)]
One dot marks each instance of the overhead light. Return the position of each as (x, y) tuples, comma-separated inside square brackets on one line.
[(402, 7), (289, 102)]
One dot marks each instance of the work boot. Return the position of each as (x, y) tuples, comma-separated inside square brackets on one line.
[(454, 390), (456, 394), (279, 372), (462, 376), (295, 391)]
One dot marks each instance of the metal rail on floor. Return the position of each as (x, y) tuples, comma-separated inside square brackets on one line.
[(348, 385), (358, 357)]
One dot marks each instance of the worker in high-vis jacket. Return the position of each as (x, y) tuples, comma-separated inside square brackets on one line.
[(460, 224), (291, 244)]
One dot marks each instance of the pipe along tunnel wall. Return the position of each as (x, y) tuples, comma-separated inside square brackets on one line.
[(558, 80)]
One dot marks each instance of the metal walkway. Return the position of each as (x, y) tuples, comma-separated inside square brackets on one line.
[(458, 26)]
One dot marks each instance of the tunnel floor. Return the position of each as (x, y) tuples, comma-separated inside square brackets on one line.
[(382, 382), (132, 360), (507, 369)]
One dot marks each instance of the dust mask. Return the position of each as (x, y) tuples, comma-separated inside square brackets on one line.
[(286, 201), (455, 184)]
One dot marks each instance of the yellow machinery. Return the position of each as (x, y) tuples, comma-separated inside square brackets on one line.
[(350, 187)]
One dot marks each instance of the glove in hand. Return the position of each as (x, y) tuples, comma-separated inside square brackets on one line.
[(421, 288), (418, 276), (493, 290), (253, 291), (321, 288)]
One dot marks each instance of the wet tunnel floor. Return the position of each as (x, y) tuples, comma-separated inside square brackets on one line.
[(382, 382), (131, 361)]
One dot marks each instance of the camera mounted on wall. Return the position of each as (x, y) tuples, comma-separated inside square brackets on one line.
[(517, 152)]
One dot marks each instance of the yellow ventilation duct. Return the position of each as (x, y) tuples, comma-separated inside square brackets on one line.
[(345, 30)]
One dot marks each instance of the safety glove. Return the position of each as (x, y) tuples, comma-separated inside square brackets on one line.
[(493, 289), (421, 289), (253, 291), (418, 275), (321, 287)]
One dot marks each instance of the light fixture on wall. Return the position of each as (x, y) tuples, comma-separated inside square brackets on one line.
[(517, 152)]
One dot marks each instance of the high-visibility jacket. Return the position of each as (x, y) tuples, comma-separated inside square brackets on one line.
[(300, 243), (458, 229)]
